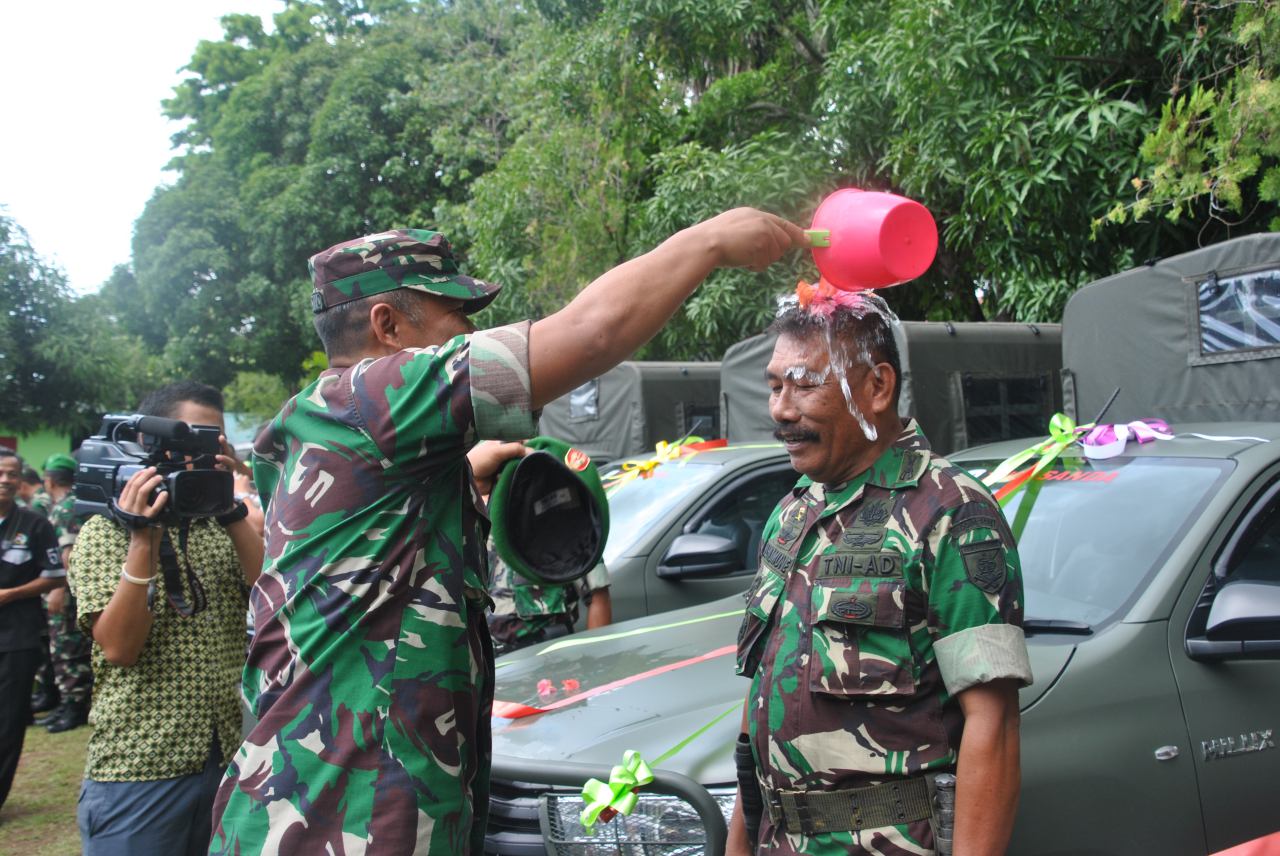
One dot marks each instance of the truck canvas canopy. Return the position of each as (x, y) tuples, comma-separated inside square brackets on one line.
[(965, 382), (1192, 338), (630, 408)]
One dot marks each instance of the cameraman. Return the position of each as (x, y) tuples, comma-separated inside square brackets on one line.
[(166, 710)]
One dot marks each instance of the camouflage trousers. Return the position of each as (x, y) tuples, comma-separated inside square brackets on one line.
[(70, 649)]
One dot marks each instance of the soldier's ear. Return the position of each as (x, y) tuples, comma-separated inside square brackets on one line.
[(882, 380), (384, 325)]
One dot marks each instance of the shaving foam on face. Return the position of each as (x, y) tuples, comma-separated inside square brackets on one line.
[(821, 303)]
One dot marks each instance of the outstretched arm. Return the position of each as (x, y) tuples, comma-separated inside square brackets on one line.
[(627, 306)]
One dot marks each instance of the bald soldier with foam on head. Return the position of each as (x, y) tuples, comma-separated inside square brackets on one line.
[(883, 630)]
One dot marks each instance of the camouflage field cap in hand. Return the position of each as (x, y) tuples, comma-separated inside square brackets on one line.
[(549, 512), (60, 461), (401, 258)]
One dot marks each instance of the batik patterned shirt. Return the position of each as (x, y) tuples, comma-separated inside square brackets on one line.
[(371, 670), (155, 719), (876, 603)]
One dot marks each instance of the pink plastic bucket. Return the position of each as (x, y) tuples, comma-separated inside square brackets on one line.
[(876, 239)]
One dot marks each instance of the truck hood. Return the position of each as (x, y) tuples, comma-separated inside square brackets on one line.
[(649, 685)]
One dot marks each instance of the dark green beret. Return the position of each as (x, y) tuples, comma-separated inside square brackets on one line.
[(60, 461), (550, 516)]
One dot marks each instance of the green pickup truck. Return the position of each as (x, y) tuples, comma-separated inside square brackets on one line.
[(1153, 614)]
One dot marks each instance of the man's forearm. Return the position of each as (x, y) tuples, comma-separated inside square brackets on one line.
[(249, 549), (628, 305), (600, 612), (620, 311), (988, 778), (35, 588)]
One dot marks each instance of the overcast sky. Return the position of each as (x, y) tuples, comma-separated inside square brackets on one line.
[(85, 142)]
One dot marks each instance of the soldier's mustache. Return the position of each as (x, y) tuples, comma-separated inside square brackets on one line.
[(792, 434)]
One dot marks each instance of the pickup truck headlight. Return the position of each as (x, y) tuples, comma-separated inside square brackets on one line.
[(662, 825)]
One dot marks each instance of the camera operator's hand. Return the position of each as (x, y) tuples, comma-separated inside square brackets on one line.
[(133, 499), (229, 462)]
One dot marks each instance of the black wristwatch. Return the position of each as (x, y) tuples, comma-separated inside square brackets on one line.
[(235, 515)]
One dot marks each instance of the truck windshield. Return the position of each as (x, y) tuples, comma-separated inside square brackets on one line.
[(636, 506), (1092, 531)]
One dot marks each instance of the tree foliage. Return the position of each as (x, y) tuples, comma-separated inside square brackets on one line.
[(554, 140), (62, 361), (1214, 154)]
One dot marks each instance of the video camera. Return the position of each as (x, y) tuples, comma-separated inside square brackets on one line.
[(185, 455)]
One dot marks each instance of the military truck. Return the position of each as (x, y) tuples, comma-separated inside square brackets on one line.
[(630, 408), (1152, 599)]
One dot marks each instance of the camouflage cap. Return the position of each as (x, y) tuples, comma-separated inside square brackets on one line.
[(401, 258), (60, 461)]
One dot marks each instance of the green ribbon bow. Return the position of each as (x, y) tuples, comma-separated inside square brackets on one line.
[(616, 796), (1063, 431)]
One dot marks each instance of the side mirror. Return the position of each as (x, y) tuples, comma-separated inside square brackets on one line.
[(1245, 610), (697, 555), (1244, 622)]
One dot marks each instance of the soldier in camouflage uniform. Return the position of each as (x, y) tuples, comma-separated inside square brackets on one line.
[(69, 647), (526, 613), (31, 493), (371, 669), (884, 621)]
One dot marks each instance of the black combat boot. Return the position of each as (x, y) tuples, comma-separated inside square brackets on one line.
[(45, 701), (74, 715), (53, 715)]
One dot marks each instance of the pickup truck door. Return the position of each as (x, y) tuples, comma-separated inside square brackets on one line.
[(1231, 700), (737, 510)]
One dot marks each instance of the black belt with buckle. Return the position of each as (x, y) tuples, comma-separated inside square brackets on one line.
[(852, 810)]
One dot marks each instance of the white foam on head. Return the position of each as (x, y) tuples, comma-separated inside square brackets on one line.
[(859, 304)]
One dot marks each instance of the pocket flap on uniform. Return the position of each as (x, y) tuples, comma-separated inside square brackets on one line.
[(871, 602)]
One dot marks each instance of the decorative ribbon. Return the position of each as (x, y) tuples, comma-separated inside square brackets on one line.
[(617, 796), (594, 792), (517, 710), (1107, 441), (663, 452), (1063, 431)]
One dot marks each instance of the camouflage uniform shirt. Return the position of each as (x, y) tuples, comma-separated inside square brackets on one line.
[(876, 603), (371, 669), (65, 522), (524, 613)]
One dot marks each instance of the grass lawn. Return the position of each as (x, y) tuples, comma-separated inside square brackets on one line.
[(39, 818)]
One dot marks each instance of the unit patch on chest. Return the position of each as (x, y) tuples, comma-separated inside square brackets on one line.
[(863, 537)]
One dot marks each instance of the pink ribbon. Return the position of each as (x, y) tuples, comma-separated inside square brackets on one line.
[(1107, 441)]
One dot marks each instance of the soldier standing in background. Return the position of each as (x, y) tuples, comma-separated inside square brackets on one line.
[(883, 630), (31, 493), (526, 613), (70, 648), (44, 694)]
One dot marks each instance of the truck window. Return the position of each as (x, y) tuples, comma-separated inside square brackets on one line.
[(1239, 313), (1006, 407), (740, 515), (1258, 558)]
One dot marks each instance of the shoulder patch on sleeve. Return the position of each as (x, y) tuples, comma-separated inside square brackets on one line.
[(985, 566)]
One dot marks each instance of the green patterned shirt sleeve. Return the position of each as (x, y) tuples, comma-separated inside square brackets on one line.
[(976, 598), (500, 385), (95, 569)]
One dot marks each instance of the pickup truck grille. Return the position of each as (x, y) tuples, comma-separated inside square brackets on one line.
[(514, 829)]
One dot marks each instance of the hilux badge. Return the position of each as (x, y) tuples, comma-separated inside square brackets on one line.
[(1225, 747)]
